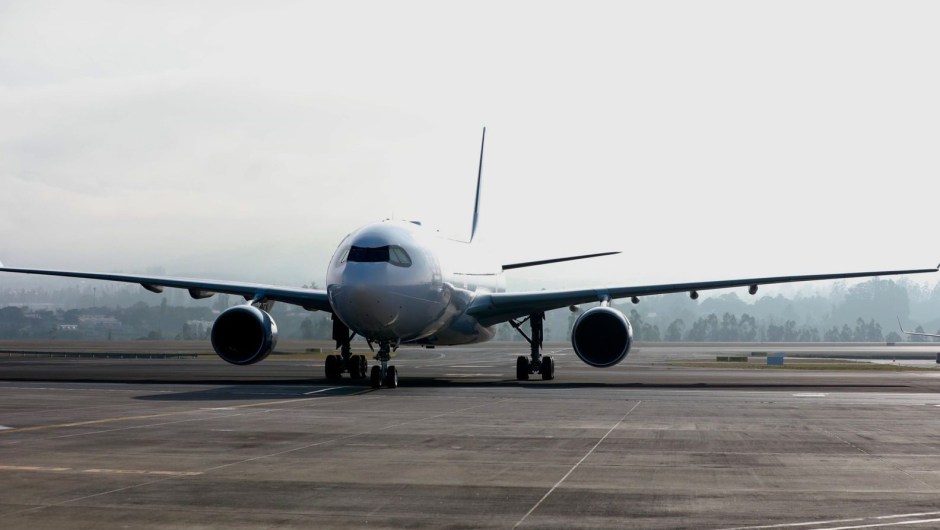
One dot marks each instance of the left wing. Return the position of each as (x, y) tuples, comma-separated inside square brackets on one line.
[(312, 299), (494, 308)]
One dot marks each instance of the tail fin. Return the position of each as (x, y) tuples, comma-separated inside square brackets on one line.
[(476, 205)]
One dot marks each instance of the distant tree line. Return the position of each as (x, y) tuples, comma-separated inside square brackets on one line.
[(731, 328), (146, 322)]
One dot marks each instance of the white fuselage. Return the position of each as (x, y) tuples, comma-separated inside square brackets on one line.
[(397, 281)]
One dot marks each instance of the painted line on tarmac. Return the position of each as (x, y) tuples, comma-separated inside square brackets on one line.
[(151, 416), (867, 520), (321, 390), (33, 468), (143, 472), (64, 389), (570, 471), (49, 469)]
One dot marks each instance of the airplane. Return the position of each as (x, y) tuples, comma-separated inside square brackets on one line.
[(917, 333), (396, 282)]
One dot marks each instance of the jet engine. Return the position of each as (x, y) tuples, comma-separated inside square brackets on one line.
[(602, 336), (244, 334)]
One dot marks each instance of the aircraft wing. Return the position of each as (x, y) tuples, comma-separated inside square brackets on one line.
[(917, 333), (313, 299), (493, 308)]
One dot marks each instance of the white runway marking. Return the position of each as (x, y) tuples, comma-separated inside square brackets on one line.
[(869, 522), (33, 468), (144, 472), (4, 427), (570, 471), (103, 471), (321, 390), (810, 394)]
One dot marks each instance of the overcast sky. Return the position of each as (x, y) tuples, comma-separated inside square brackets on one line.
[(706, 140)]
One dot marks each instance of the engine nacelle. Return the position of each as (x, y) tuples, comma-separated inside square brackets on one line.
[(244, 334), (602, 337)]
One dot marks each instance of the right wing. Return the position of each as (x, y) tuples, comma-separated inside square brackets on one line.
[(916, 332), (312, 299), (493, 308)]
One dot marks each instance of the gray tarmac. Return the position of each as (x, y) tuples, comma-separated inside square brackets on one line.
[(193, 443)]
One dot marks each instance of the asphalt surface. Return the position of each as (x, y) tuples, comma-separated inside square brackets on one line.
[(191, 443)]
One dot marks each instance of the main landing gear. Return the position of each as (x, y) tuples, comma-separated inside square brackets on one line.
[(336, 365), (536, 363)]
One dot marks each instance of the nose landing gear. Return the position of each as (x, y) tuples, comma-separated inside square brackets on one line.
[(384, 373)]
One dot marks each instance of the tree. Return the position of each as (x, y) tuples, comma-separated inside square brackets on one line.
[(307, 329), (675, 330), (728, 330)]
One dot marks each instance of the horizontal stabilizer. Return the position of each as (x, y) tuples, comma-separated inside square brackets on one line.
[(556, 260)]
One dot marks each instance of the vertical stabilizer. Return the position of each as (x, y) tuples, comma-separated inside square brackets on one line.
[(476, 205)]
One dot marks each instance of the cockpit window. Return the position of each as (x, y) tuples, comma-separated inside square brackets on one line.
[(388, 254), (398, 256)]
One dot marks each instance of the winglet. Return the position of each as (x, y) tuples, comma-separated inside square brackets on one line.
[(476, 205), (902, 327)]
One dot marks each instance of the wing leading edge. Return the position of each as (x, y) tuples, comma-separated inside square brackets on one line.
[(494, 308), (313, 299)]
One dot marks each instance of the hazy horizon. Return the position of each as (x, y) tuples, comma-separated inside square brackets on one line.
[(706, 141)]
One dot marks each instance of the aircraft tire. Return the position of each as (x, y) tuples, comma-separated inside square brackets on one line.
[(391, 377), (547, 368), (376, 377), (522, 368), (333, 369), (363, 366)]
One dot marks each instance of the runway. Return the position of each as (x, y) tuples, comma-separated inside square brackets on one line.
[(197, 443)]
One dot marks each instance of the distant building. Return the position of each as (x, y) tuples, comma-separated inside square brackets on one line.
[(99, 322)]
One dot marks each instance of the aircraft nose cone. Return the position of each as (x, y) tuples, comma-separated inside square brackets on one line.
[(365, 304)]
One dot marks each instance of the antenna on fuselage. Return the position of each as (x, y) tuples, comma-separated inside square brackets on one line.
[(476, 205)]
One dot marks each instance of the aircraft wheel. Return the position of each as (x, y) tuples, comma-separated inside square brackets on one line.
[(333, 368), (391, 377), (547, 368), (376, 377), (522, 368), (354, 367), (363, 366)]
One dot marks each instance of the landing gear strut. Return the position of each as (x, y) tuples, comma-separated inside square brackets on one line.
[(384, 373), (536, 363), (336, 365)]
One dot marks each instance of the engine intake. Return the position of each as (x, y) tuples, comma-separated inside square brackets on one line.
[(602, 337), (244, 334)]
